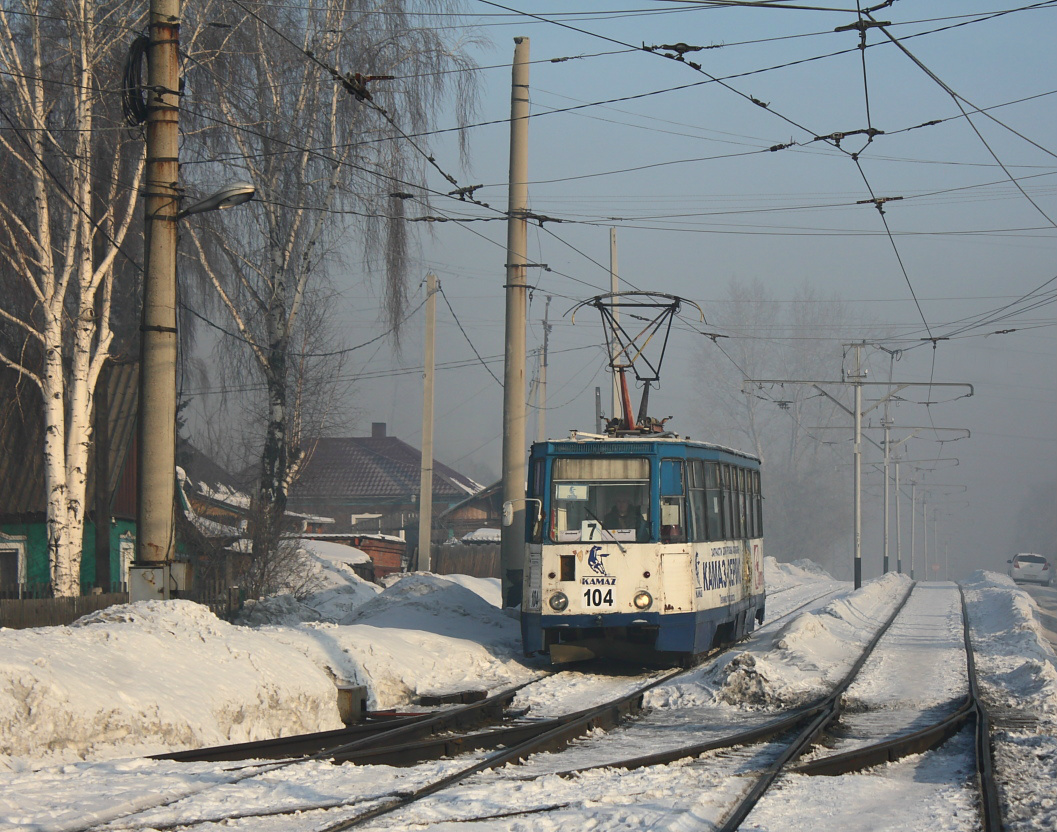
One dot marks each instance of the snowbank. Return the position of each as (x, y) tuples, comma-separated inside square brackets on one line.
[(782, 576), (488, 588), (154, 674), (157, 676), (1018, 670), (1017, 665), (341, 592), (423, 634), (806, 658)]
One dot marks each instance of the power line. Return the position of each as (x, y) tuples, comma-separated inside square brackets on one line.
[(462, 329)]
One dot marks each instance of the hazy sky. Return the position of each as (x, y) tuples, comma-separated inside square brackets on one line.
[(681, 166)]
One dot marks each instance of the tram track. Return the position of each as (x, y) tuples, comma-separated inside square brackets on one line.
[(790, 735), (972, 709), (545, 735)]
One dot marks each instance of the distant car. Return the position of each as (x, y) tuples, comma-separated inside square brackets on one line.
[(1034, 568)]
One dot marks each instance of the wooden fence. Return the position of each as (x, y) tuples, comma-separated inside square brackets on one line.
[(21, 613), (479, 560)]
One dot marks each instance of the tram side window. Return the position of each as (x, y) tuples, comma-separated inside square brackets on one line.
[(698, 525), (730, 529), (673, 501), (759, 504), (742, 500), (750, 506), (713, 502)]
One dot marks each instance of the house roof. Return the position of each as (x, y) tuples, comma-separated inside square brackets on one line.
[(491, 492), (22, 438), (207, 479), (372, 467)]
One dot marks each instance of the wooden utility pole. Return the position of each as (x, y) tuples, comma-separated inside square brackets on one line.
[(157, 399), (425, 488), (515, 465)]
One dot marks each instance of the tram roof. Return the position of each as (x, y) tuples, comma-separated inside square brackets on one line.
[(586, 443)]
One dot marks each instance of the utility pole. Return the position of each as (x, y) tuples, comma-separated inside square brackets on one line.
[(858, 378), (899, 528), (925, 535), (886, 424), (157, 399), (425, 488), (935, 540), (913, 519), (541, 389), (614, 287), (512, 547)]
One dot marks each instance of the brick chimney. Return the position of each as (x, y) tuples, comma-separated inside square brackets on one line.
[(377, 430)]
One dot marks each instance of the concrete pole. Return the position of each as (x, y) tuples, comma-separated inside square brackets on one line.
[(925, 536), (425, 487), (858, 467), (541, 390), (913, 520), (157, 397), (615, 408), (935, 541), (512, 548), (884, 565), (899, 530)]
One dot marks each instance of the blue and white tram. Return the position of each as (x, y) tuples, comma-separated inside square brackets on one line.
[(647, 547)]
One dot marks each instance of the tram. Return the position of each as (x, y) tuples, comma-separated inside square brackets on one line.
[(641, 545)]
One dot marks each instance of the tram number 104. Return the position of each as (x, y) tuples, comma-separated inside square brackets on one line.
[(598, 597)]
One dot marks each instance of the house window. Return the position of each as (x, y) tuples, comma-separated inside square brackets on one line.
[(127, 551), (12, 564)]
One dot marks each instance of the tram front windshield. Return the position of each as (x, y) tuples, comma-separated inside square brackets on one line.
[(600, 499)]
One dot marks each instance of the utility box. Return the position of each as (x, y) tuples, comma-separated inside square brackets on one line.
[(352, 703), (159, 581)]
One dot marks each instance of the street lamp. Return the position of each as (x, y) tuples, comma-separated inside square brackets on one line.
[(234, 194)]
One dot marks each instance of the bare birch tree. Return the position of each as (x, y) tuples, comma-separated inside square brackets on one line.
[(327, 160), (71, 178)]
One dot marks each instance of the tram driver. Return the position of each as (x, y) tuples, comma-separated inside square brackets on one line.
[(623, 516)]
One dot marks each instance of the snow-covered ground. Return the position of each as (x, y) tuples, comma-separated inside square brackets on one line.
[(81, 705), (1019, 673)]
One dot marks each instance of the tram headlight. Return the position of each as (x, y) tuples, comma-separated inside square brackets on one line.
[(643, 600), (559, 601)]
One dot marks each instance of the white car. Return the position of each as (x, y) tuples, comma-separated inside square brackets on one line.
[(1028, 567)]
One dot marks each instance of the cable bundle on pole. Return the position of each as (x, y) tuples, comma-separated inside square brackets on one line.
[(133, 96)]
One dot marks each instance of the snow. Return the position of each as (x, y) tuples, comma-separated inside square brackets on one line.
[(147, 677), (482, 536), (81, 705), (1018, 667), (802, 661), (933, 791), (783, 576)]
